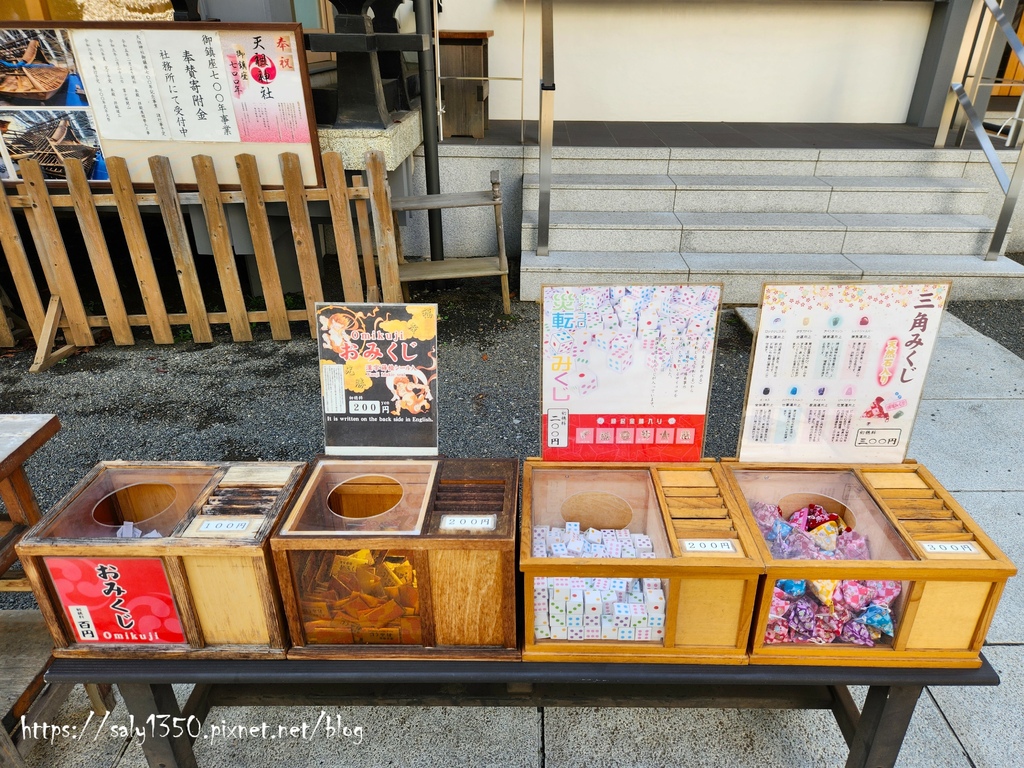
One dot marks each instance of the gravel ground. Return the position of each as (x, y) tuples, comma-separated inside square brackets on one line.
[(231, 402)]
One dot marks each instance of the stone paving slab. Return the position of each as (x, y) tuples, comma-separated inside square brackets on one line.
[(987, 720)]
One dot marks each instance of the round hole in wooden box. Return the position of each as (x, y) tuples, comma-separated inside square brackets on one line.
[(597, 509), (140, 504), (365, 496), (794, 502)]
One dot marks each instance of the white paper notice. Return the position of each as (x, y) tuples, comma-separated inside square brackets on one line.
[(195, 88), (121, 83), (838, 371)]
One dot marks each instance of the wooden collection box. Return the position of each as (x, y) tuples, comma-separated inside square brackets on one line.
[(693, 562), (163, 559), (924, 586), (401, 558)]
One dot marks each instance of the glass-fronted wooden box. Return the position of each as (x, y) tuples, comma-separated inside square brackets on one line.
[(867, 565), (401, 558), (635, 562), (163, 559)]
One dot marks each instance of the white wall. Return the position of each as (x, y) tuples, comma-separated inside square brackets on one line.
[(659, 60)]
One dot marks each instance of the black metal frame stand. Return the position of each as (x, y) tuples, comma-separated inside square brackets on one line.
[(874, 732)]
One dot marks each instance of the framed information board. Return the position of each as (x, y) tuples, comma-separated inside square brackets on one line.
[(96, 90), (378, 378), (626, 371), (838, 370)]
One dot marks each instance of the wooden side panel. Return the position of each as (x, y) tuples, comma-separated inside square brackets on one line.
[(710, 612), (227, 599), (948, 614), (470, 606)]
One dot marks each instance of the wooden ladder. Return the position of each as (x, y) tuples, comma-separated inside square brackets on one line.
[(389, 241)]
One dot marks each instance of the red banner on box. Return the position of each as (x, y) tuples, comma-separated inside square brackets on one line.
[(119, 600), (626, 437)]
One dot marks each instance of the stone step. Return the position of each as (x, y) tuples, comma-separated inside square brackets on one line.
[(947, 234), (711, 161), (606, 231), (742, 274), (757, 194)]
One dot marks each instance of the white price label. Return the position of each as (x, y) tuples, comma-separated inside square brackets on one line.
[(468, 522), (709, 545), (558, 427), (224, 525), (364, 406), (950, 547), (82, 620)]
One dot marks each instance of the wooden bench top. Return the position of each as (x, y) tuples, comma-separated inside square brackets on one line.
[(21, 435)]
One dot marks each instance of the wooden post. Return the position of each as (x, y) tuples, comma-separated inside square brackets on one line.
[(138, 248), (341, 217), (302, 232), (223, 255), (50, 242), (383, 227), (99, 255), (17, 261), (263, 246), (177, 237)]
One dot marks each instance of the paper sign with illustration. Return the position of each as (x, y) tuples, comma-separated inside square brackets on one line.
[(378, 377), (626, 371), (838, 371)]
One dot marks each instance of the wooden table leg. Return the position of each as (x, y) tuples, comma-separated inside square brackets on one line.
[(883, 725), (9, 755), (19, 499), (144, 701), (101, 697)]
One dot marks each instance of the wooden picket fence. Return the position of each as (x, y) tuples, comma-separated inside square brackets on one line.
[(60, 304)]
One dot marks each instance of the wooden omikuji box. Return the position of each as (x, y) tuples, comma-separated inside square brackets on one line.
[(695, 564), (198, 578), (950, 575), (396, 558)]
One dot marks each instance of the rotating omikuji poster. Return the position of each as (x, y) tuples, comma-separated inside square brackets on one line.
[(626, 371), (378, 378), (838, 370)]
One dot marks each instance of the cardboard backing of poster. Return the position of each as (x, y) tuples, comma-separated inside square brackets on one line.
[(626, 371), (838, 371), (378, 377)]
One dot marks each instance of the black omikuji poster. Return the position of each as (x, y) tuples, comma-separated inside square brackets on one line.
[(378, 378)]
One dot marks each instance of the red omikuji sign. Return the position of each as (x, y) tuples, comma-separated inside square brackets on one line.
[(117, 600)]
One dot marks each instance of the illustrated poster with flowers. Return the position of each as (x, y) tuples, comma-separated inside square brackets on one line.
[(626, 371), (838, 371), (378, 378)]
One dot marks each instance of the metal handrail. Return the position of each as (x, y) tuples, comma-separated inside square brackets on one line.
[(974, 53), (545, 124)]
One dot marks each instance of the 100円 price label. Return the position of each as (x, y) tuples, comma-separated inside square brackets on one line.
[(223, 526), (468, 522)]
